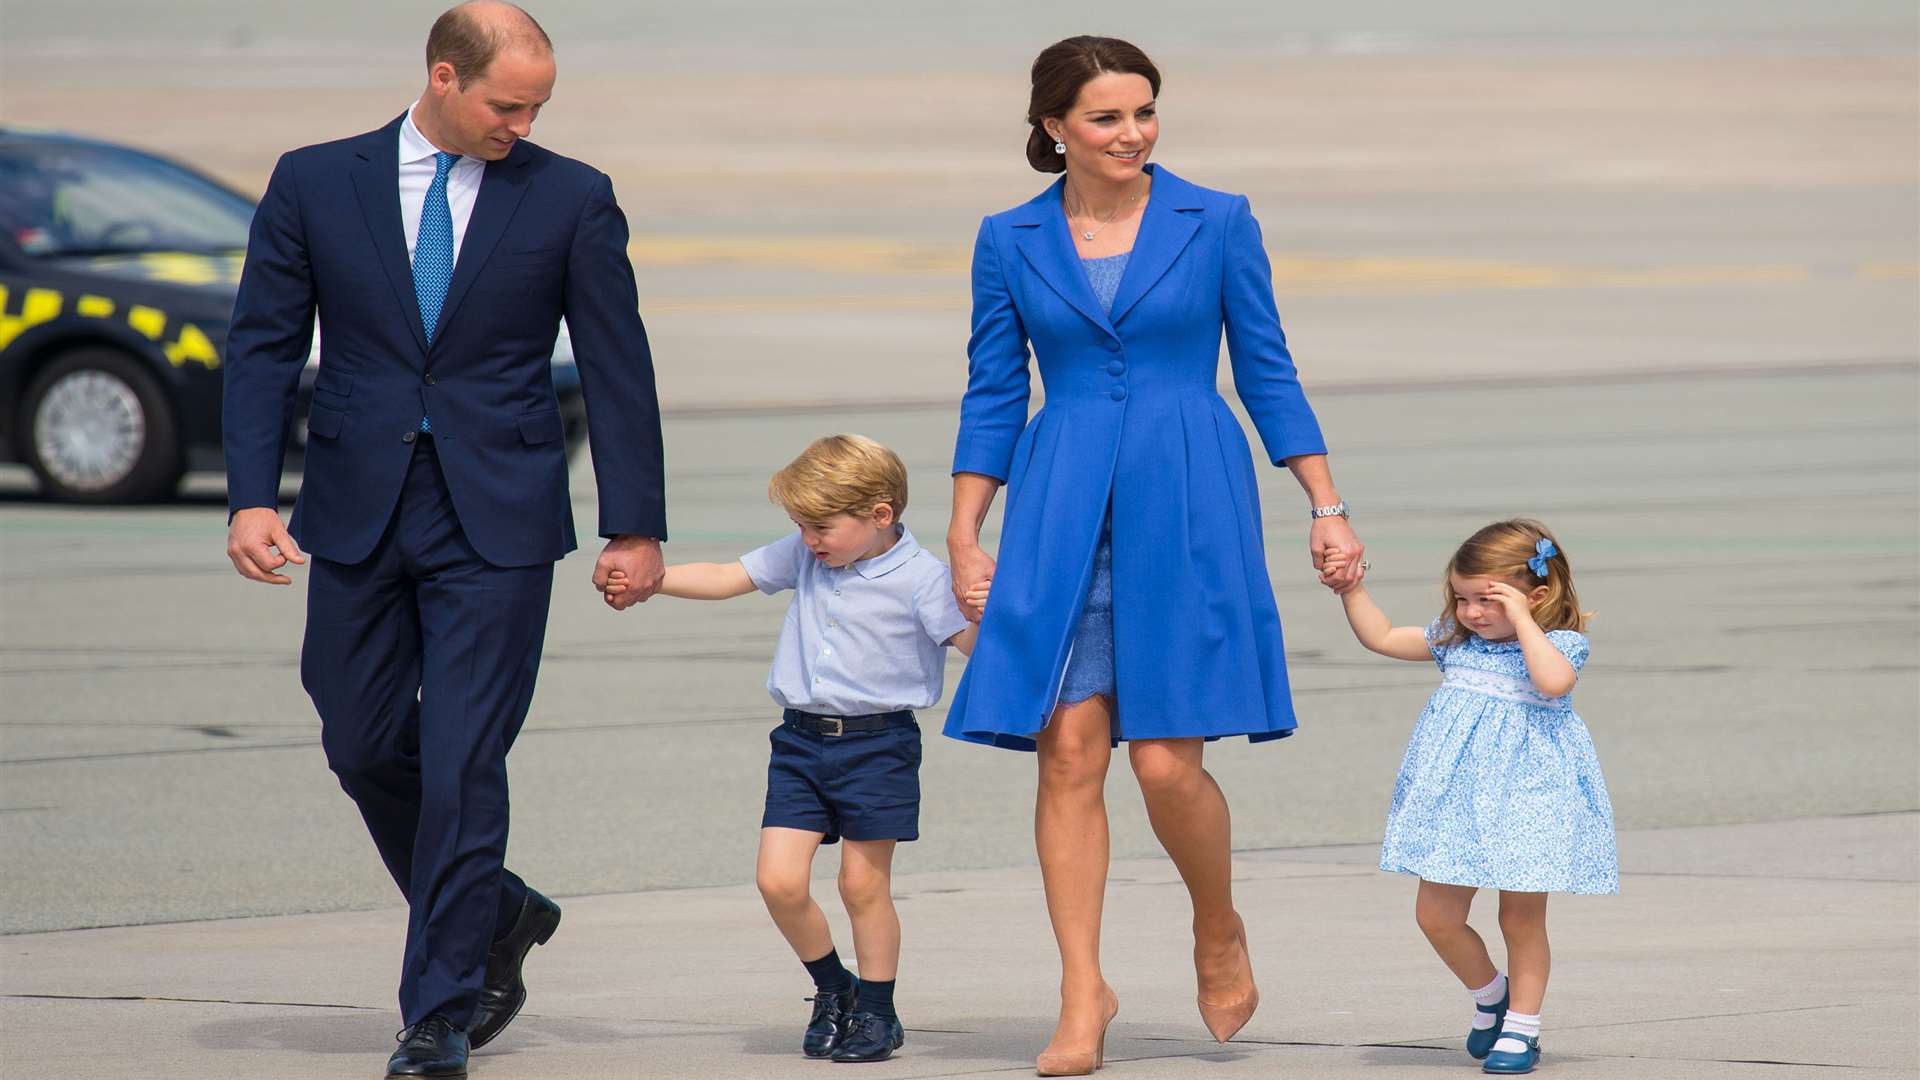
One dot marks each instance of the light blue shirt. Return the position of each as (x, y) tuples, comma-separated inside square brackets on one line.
[(865, 638)]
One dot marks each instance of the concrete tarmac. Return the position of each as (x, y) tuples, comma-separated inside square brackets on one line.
[(1661, 290)]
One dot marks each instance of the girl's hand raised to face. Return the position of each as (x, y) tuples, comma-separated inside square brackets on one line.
[(1518, 609)]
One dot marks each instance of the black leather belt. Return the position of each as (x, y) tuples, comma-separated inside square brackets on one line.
[(840, 725)]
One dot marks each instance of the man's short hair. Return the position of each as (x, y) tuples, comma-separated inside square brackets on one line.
[(841, 474), (470, 43)]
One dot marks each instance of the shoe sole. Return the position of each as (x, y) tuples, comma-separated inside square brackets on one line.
[(540, 939)]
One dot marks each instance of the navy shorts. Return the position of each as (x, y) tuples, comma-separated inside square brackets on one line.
[(863, 785)]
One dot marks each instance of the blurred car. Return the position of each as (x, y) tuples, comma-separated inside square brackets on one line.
[(118, 271)]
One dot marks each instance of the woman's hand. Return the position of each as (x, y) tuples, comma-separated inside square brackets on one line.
[(1333, 534), (972, 572), (1518, 609), (1333, 571)]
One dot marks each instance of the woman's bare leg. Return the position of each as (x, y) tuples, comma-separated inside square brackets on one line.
[(1190, 818), (1070, 833)]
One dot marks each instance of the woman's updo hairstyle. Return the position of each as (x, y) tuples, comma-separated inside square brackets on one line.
[(1059, 72)]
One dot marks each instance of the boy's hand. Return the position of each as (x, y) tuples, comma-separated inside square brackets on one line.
[(618, 584), (976, 597)]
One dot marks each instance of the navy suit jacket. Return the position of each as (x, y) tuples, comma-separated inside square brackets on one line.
[(546, 239)]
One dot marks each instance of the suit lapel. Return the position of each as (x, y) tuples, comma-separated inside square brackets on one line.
[(376, 183), (501, 187), (1048, 248), (1171, 218)]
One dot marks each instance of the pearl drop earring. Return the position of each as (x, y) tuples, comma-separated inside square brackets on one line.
[(1059, 147)]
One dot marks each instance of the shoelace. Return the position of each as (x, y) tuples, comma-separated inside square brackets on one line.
[(826, 1004), (406, 1033), (868, 1025)]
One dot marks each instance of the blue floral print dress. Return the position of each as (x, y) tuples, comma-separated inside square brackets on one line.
[(1500, 787)]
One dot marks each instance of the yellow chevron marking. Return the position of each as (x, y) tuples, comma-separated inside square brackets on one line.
[(93, 307), (149, 321), (194, 347), (38, 306)]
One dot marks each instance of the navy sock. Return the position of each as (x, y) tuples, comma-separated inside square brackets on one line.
[(877, 998), (830, 976)]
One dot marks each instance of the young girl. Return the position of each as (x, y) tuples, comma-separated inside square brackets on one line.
[(1500, 788)]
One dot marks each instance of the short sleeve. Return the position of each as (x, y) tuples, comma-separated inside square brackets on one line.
[(936, 607), (1436, 630), (1572, 645), (777, 565)]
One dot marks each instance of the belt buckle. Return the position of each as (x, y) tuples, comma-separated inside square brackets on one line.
[(839, 725)]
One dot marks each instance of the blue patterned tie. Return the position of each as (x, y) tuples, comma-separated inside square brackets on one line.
[(433, 252)]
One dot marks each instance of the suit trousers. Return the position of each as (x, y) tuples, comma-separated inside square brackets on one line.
[(421, 660)]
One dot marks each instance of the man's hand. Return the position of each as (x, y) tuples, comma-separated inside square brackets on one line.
[(638, 559), (258, 544), (1333, 535)]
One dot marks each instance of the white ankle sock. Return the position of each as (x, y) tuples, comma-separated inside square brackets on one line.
[(1517, 1024), (1488, 995)]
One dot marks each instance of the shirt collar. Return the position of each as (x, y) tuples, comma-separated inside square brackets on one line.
[(890, 560), (413, 145)]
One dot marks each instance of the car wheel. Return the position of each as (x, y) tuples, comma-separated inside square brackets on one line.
[(99, 429)]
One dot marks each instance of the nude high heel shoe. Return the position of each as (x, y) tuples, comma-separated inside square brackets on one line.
[(1225, 1019), (1080, 1062)]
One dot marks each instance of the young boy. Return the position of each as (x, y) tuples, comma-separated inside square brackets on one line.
[(860, 650)]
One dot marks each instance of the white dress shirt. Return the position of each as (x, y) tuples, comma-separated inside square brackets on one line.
[(416, 176)]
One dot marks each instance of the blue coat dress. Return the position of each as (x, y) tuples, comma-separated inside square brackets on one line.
[(1133, 425)]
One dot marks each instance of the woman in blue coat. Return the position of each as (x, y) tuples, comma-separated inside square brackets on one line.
[(1130, 599)]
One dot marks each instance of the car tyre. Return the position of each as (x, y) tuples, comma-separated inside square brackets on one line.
[(97, 427)]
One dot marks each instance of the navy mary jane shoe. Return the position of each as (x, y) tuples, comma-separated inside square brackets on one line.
[(1480, 1040), (1513, 1064)]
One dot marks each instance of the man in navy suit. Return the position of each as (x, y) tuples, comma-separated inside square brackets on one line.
[(440, 253)]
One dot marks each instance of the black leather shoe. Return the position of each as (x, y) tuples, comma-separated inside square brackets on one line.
[(432, 1047), (829, 1020), (504, 991), (869, 1038)]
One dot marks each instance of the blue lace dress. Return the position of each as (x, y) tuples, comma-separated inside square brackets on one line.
[(1090, 664), (1500, 787)]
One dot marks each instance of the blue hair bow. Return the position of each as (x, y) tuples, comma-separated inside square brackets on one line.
[(1542, 551)]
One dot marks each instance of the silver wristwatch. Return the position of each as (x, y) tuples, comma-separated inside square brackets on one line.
[(1338, 509)]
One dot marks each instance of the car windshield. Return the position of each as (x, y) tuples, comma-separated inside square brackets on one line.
[(59, 198)]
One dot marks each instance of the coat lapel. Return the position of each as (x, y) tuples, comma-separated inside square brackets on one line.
[(376, 183), (1167, 226), (1048, 248), (501, 188)]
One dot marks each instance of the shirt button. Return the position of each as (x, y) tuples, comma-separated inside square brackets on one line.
[(1118, 393), (1113, 345), (836, 592), (1116, 368), (408, 437), (827, 652)]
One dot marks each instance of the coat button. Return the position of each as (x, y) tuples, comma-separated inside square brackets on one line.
[(408, 437), (429, 378), (1113, 345), (1118, 393), (1116, 368)]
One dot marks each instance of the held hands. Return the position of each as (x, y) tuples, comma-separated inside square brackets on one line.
[(972, 574), (259, 545), (1333, 537), (637, 562)]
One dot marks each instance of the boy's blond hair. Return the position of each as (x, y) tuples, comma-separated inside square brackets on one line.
[(841, 474)]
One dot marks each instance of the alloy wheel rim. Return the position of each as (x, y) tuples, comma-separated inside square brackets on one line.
[(89, 430)]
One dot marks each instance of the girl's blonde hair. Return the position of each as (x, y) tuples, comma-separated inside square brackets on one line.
[(1501, 551), (841, 474)]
